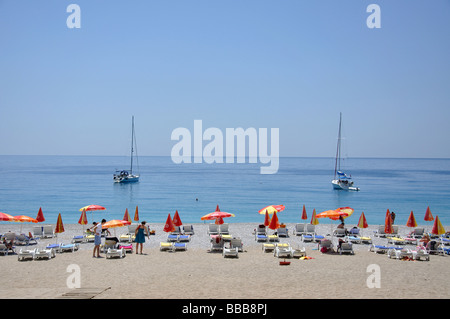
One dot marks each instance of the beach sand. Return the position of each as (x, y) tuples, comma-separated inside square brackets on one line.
[(200, 274)]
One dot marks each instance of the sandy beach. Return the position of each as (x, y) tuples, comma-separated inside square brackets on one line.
[(200, 274)]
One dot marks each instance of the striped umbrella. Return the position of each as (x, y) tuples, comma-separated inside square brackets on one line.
[(314, 220), (438, 229), (6, 217), (272, 209), (136, 214), (362, 223)]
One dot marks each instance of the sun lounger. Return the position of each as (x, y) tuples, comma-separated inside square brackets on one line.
[(420, 252), (417, 232), (38, 231), (68, 247), (22, 240), (230, 252), (163, 246), (213, 229), (224, 229), (109, 244), (237, 243), (299, 229), (217, 244), (77, 239), (365, 240), (115, 252), (184, 238), (325, 245), (261, 238), (410, 241), (260, 230), (128, 247), (179, 246), (177, 231), (48, 231), (282, 232), (310, 229), (172, 238), (283, 251), (44, 253), (353, 239), (346, 248), (188, 230), (25, 254), (268, 247), (399, 253), (380, 232), (299, 252), (396, 241), (273, 238), (339, 232)]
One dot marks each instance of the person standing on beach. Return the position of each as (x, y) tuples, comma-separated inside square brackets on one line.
[(140, 236), (97, 229)]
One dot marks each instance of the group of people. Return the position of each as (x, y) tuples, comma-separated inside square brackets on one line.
[(97, 229)]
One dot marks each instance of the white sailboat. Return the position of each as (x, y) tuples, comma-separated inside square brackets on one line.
[(341, 180), (125, 176)]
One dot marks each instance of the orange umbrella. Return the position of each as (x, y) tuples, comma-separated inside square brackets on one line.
[(6, 217), (83, 218), (136, 214), (116, 223), (40, 216), (126, 216), (274, 224), (332, 214), (304, 216), (169, 226), (59, 225), (92, 208), (219, 221), (24, 219), (348, 210), (438, 229), (266, 219), (314, 220), (428, 217), (216, 215), (177, 219), (388, 224), (362, 223), (272, 209), (411, 220)]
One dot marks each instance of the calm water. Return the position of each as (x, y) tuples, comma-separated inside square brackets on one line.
[(66, 183)]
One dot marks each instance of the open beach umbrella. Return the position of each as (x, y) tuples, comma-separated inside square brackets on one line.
[(304, 215), (6, 217), (115, 223), (438, 229), (169, 226), (348, 210), (314, 220), (332, 214), (411, 220), (272, 209), (177, 219), (126, 216), (92, 208), (428, 216), (24, 219), (217, 215), (136, 214), (274, 223), (40, 216)]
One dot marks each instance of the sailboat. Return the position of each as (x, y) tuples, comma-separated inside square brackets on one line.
[(125, 176), (341, 180)]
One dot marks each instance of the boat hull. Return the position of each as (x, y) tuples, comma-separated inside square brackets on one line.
[(339, 185), (126, 179)]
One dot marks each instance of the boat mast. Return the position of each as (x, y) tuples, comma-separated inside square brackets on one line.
[(132, 144), (337, 165)]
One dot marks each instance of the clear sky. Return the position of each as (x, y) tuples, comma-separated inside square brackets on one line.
[(287, 64)]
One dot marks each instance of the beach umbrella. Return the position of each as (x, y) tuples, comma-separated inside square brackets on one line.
[(92, 208), (24, 219), (304, 216), (411, 220), (332, 214), (266, 219), (219, 221), (348, 210), (115, 223), (428, 217), (274, 223), (136, 214), (83, 219), (216, 215), (59, 225), (177, 219), (362, 223), (272, 209), (314, 220), (388, 224), (169, 226), (6, 217), (438, 229), (40, 216), (126, 216)]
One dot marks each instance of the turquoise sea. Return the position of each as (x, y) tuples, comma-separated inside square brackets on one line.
[(63, 184)]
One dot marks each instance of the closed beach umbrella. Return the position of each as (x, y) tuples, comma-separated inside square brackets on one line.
[(272, 209), (136, 214), (428, 216), (304, 216), (177, 219), (411, 220), (40, 216), (6, 217), (266, 219), (126, 216), (388, 224), (169, 226), (314, 220), (83, 218), (362, 223), (274, 223), (438, 229), (59, 225)]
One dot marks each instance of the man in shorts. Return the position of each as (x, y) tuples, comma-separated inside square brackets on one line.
[(97, 229)]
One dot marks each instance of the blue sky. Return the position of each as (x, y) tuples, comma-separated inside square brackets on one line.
[(289, 64)]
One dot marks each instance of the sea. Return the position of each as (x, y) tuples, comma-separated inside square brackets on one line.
[(64, 184)]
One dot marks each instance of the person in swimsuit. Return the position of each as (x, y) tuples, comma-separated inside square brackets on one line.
[(140, 232)]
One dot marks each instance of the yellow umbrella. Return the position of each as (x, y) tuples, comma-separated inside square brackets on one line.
[(272, 209), (59, 225), (115, 223), (314, 220), (126, 216), (362, 223), (438, 229)]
